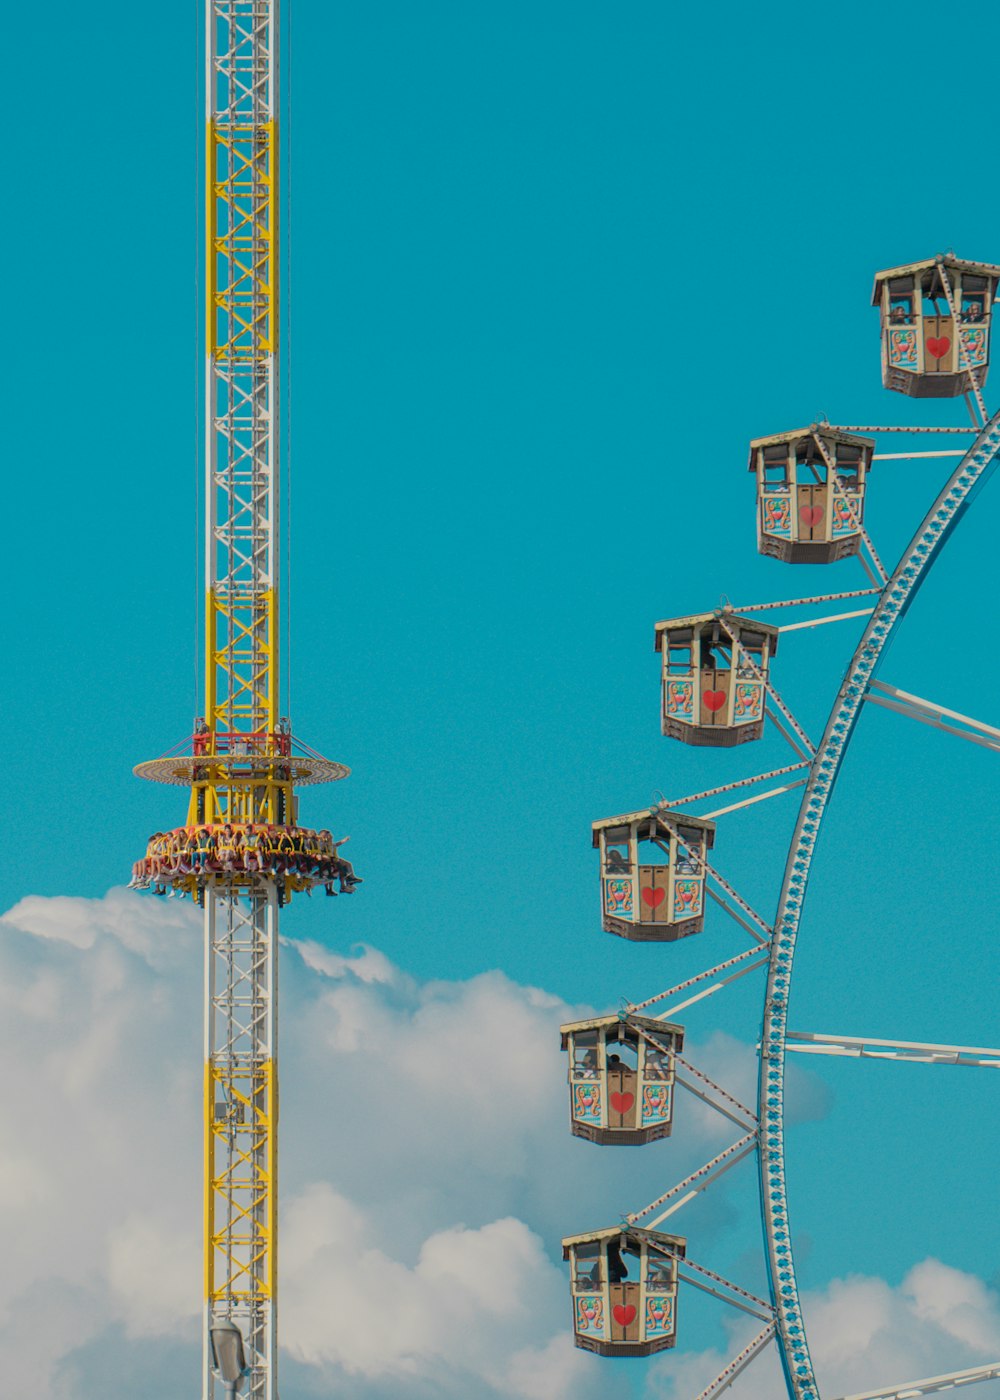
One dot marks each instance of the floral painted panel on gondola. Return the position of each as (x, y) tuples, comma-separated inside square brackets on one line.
[(846, 514), (659, 1316), (749, 702), (590, 1315), (974, 344), (587, 1103), (687, 898), (680, 699), (655, 1104), (903, 349), (618, 898), (777, 515)]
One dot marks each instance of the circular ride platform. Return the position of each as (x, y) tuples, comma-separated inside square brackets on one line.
[(186, 769)]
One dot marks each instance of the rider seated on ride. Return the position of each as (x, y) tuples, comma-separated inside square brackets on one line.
[(277, 850), (227, 847), (204, 848), (284, 849), (344, 869), (251, 849)]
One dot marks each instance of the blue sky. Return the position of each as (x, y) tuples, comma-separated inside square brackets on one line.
[(552, 266)]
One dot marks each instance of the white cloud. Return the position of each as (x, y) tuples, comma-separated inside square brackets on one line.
[(402, 1260), (488, 1298), (426, 1162)]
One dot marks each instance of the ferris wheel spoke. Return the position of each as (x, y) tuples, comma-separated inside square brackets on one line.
[(855, 517), (932, 1385), (882, 576), (869, 1048), (840, 428), (742, 658), (832, 617), (741, 1298), (749, 1118), (717, 1091), (693, 982), (697, 1182), (785, 734), (751, 801), (739, 919), (733, 787), (926, 712), (870, 572), (819, 597), (913, 456), (972, 411), (738, 1364), (714, 987), (711, 873)]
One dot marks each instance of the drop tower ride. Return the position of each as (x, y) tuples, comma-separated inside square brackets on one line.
[(241, 854)]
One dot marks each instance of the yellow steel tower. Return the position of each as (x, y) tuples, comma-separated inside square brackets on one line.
[(241, 853)]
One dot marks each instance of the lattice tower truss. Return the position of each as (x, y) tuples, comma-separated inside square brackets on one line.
[(243, 765)]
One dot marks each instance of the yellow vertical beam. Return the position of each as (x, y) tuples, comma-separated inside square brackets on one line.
[(241, 1201)]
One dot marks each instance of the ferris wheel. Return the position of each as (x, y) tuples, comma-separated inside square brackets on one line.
[(657, 878)]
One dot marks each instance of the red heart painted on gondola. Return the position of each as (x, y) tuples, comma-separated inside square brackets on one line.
[(810, 515), (654, 898), (713, 699), (938, 346), (623, 1313), (621, 1103)]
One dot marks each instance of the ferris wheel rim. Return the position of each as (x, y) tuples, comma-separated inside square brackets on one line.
[(902, 586)]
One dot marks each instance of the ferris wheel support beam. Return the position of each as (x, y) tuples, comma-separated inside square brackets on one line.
[(760, 953), (704, 1176), (796, 748), (752, 801), (710, 873), (933, 1385), (868, 1048), (727, 1292), (867, 428), (818, 597), (667, 803), (928, 713), (822, 621), (738, 1364), (713, 1088), (633, 1006), (966, 481), (911, 712), (741, 657), (912, 456)]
